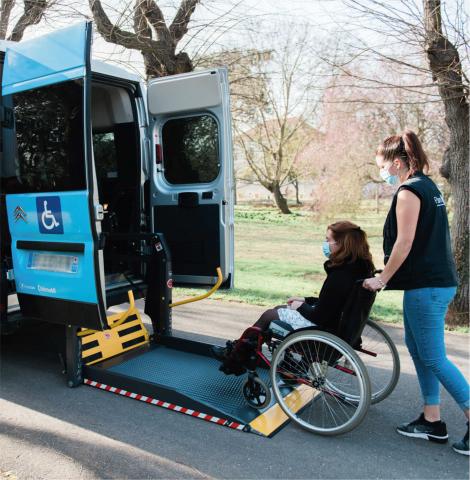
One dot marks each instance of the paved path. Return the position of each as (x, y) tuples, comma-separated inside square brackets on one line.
[(49, 431)]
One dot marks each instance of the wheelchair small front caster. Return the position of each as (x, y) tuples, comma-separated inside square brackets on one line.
[(256, 392)]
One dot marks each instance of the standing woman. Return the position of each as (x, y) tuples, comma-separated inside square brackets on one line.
[(418, 260)]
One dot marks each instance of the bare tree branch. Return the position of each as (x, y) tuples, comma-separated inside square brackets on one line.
[(179, 26), (141, 27), (113, 34), (155, 18), (5, 12), (32, 15)]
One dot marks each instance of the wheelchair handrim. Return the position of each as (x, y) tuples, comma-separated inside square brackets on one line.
[(359, 371)]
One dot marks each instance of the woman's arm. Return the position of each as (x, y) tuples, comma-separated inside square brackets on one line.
[(407, 211)]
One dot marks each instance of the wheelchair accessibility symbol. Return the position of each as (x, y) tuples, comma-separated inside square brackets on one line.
[(49, 215)]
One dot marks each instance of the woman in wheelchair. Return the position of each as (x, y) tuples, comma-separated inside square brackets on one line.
[(349, 260)]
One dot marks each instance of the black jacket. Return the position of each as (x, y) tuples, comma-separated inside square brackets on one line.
[(326, 310)]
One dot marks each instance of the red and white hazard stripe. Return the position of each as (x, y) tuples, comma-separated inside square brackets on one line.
[(170, 406)]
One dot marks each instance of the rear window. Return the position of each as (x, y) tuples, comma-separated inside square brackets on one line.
[(191, 150), (48, 153)]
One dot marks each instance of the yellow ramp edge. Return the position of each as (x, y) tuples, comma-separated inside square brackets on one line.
[(274, 417)]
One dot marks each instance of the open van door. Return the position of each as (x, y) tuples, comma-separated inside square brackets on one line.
[(53, 214), (192, 173)]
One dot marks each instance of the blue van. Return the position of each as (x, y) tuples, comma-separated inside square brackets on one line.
[(92, 155)]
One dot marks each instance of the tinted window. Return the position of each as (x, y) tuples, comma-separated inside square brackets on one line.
[(191, 150), (104, 151), (49, 153)]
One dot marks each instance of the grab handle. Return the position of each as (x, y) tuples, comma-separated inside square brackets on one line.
[(116, 319), (204, 295)]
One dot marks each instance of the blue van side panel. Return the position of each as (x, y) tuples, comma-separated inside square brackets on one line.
[(41, 268), (54, 58)]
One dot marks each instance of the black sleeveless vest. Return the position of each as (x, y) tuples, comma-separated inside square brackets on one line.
[(430, 262)]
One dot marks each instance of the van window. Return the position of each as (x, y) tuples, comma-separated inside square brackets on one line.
[(104, 151), (191, 150), (49, 153)]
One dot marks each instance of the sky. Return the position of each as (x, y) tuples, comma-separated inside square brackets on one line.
[(229, 23), (225, 24)]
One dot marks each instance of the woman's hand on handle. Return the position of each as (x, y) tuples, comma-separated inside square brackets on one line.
[(373, 284)]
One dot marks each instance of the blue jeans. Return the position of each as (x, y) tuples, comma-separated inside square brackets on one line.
[(424, 311)]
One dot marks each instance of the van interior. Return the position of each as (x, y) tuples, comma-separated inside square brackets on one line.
[(116, 151)]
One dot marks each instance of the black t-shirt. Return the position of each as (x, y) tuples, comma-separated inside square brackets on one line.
[(430, 262), (326, 310)]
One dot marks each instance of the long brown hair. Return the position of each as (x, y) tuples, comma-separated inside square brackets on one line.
[(407, 147), (352, 244)]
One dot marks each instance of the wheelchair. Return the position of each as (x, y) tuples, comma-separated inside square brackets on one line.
[(324, 381)]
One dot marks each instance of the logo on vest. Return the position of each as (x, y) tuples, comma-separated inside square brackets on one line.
[(439, 201)]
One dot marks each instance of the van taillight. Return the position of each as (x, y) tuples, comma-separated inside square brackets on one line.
[(158, 151)]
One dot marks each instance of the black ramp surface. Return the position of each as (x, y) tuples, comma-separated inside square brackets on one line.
[(194, 376)]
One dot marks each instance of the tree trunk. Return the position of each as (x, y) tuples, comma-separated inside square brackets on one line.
[(154, 68), (281, 202), (446, 69), (297, 197)]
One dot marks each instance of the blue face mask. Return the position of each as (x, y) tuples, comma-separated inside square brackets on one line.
[(326, 249), (388, 177)]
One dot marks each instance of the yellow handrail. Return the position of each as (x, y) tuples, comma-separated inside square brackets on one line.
[(204, 295), (121, 317), (116, 319)]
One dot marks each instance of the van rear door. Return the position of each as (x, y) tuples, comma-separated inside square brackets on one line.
[(54, 215), (192, 173)]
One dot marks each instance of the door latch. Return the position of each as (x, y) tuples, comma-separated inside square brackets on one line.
[(99, 212)]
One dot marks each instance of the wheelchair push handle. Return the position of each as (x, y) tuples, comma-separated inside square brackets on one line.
[(375, 272)]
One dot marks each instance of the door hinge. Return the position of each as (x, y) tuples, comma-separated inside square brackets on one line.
[(6, 117), (10, 275)]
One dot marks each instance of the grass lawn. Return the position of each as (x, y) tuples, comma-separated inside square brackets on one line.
[(277, 256)]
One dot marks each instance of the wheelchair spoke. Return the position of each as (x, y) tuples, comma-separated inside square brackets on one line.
[(329, 395), (384, 368)]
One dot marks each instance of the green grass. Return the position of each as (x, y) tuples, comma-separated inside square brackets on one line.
[(277, 256)]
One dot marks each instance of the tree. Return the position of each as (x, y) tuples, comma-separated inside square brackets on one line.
[(151, 35), (446, 68), (272, 124), (271, 150), (12, 27), (406, 34)]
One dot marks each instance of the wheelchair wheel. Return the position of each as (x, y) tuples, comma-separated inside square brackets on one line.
[(256, 392), (381, 359), (324, 398)]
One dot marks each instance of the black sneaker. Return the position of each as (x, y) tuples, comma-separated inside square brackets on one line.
[(421, 428), (462, 446)]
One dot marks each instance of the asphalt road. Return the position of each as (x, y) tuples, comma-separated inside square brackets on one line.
[(50, 431)]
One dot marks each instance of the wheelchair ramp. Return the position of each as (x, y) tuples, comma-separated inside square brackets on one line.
[(187, 380)]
